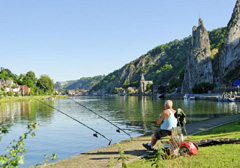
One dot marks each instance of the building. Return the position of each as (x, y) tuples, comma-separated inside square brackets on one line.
[(24, 90), (143, 85), (2, 83)]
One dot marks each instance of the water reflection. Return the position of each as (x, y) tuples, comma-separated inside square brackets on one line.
[(133, 111), (61, 135), (17, 112)]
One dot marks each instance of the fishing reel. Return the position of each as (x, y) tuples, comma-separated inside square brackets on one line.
[(118, 130), (95, 135)]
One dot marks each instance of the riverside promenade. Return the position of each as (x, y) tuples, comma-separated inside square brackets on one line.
[(99, 158)]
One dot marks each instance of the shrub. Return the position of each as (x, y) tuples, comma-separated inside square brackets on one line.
[(202, 87), (115, 90), (10, 93), (16, 95)]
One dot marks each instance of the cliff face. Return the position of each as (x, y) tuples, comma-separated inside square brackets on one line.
[(61, 85), (199, 67), (83, 83), (131, 72), (228, 59)]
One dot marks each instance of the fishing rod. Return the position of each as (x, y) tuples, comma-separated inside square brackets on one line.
[(96, 132), (118, 128)]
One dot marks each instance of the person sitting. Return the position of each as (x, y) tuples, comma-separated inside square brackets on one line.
[(166, 121)]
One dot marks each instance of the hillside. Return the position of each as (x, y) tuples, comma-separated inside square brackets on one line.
[(83, 83), (161, 64)]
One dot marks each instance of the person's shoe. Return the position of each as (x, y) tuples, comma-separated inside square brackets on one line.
[(148, 147)]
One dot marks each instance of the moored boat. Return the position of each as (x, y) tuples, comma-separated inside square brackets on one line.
[(189, 97)]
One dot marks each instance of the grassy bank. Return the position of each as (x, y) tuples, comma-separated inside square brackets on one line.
[(226, 155), (27, 98)]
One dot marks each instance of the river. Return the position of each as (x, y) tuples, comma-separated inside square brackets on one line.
[(61, 135)]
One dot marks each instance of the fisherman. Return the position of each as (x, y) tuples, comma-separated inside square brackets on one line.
[(166, 121)]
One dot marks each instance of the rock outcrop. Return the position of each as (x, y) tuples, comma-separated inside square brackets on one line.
[(61, 85), (228, 59), (199, 67), (132, 72), (83, 83)]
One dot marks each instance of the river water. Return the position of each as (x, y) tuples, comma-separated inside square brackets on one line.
[(66, 137)]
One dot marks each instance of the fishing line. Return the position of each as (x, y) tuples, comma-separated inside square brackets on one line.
[(96, 132), (118, 128)]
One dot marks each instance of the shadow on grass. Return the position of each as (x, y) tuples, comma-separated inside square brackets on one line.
[(228, 128)]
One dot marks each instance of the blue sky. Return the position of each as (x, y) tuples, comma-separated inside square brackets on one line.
[(70, 39)]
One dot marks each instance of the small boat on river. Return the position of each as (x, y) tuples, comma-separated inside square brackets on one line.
[(189, 97), (227, 97)]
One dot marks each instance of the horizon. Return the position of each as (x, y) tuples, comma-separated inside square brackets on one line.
[(68, 40)]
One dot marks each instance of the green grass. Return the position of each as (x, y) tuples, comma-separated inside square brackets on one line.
[(227, 155), (27, 98)]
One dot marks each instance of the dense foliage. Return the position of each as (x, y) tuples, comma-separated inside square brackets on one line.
[(202, 88), (85, 83), (42, 86), (106, 82), (171, 68)]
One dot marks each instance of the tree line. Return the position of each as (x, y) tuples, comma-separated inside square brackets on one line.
[(42, 86)]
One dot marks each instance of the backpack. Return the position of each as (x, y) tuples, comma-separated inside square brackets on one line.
[(181, 117)]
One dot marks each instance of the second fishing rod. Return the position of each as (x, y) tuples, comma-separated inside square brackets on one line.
[(96, 132), (118, 128)]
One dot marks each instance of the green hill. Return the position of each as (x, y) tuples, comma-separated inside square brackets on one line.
[(164, 63)]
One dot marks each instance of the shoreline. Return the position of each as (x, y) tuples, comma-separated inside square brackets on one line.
[(28, 98), (99, 158)]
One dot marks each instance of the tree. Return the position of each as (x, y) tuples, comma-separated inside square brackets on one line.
[(115, 90), (149, 87), (31, 75), (45, 83)]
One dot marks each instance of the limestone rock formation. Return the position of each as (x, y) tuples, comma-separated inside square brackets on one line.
[(228, 61), (199, 67), (132, 72), (60, 85)]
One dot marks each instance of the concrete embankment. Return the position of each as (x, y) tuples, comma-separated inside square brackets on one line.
[(99, 158), (210, 96)]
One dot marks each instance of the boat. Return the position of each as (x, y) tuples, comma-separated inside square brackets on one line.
[(189, 97), (160, 95), (227, 97)]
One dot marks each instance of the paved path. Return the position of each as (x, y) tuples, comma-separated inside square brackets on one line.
[(99, 158)]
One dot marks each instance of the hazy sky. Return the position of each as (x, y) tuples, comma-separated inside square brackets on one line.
[(70, 39)]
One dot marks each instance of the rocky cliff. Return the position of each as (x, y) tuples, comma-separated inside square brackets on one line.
[(228, 60), (62, 85), (83, 83), (131, 73), (165, 63), (199, 67)]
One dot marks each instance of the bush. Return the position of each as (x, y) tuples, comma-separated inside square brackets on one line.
[(16, 95), (115, 90), (10, 93), (202, 88), (130, 91)]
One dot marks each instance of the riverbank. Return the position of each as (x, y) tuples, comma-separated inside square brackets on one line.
[(99, 158), (28, 98), (207, 96)]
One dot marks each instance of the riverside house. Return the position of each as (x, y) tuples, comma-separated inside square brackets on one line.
[(10, 86), (2, 83)]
